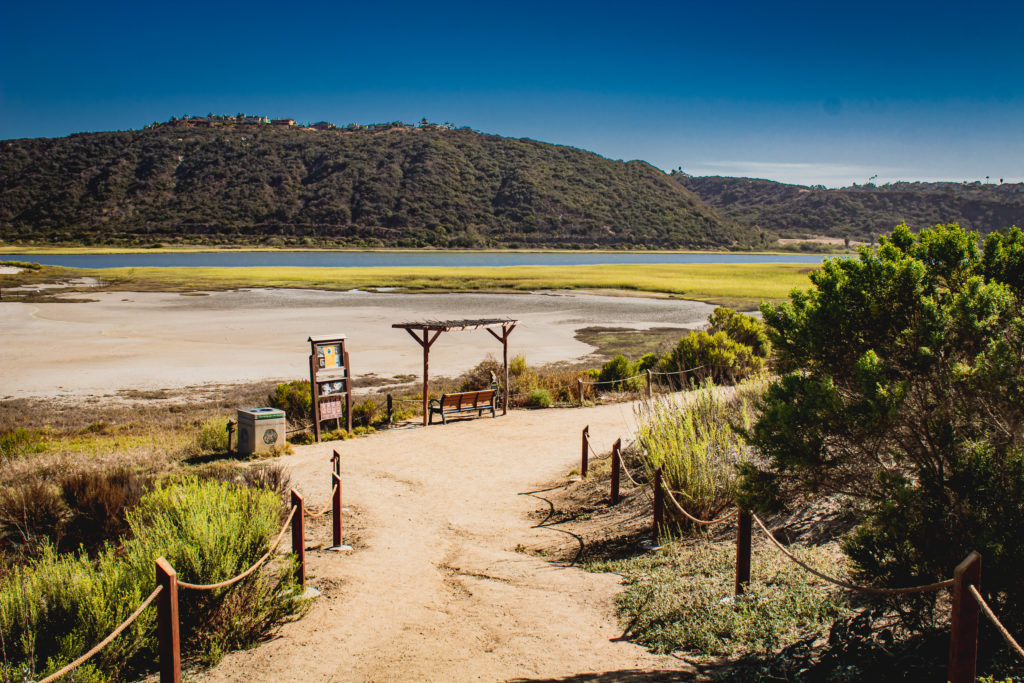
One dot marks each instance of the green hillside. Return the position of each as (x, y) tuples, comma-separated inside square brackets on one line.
[(859, 212), (223, 182)]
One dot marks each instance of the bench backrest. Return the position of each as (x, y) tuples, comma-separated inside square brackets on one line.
[(467, 399)]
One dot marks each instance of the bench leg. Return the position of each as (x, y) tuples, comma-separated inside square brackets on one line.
[(444, 420)]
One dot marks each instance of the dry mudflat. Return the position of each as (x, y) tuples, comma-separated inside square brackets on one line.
[(137, 341), (438, 587)]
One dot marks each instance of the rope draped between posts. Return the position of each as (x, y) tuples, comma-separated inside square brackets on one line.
[(256, 565), (676, 372), (106, 641), (948, 583), (706, 522), (995, 620), (321, 513), (612, 381)]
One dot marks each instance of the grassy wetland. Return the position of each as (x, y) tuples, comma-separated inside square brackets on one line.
[(735, 285)]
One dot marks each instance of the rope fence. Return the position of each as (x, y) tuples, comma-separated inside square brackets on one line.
[(169, 658), (256, 565), (1014, 645), (967, 599), (106, 641)]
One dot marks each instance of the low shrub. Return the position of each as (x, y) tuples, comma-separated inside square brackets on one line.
[(540, 398), (681, 599), (364, 414), (295, 399), (18, 442), (692, 439), (715, 356), (32, 513), (55, 608), (98, 501)]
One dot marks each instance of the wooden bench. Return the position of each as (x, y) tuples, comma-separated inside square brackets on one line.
[(463, 402)]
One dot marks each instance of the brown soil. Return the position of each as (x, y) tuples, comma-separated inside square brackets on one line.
[(451, 578)]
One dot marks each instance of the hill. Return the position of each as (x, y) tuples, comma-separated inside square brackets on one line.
[(223, 181), (859, 212)]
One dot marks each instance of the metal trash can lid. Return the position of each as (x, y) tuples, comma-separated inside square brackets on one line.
[(261, 413)]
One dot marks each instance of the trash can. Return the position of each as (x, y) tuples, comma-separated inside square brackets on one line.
[(260, 430)]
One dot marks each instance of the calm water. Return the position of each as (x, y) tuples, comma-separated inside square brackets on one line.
[(349, 259)]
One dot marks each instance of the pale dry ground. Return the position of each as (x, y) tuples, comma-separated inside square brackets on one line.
[(435, 589), (128, 340)]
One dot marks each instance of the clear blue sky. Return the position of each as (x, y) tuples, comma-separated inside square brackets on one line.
[(820, 92)]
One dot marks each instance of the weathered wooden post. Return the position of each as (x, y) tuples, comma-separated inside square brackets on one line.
[(616, 467), (579, 390), (743, 520), (168, 637), (336, 512), (659, 504), (298, 537), (650, 391), (963, 632), (390, 410), (585, 463), (336, 462), (231, 434)]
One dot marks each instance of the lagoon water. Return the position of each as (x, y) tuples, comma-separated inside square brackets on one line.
[(390, 259)]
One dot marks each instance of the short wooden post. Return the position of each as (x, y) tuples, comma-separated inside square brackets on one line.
[(659, 504), (963, 632), (743, 521), (168, 637), (231, 434), (336, 509), (585, 464), (336, 462), (616, 467), (579, 389), (390, 409), (298, 537), (650, 378)]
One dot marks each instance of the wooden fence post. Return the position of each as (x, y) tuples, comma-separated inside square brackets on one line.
[(616, 467), (659, 504), (650, 391), (231, 434), (742, 551), (585, 462), (963, 632), (336, 504), (336, 462), (169, 644), (298, 537), (390, 409), (579, 389)]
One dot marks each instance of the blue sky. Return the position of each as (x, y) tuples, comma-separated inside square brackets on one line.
[(798, 92)]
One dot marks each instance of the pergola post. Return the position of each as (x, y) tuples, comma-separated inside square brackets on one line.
[(506, 330), (426, 343)]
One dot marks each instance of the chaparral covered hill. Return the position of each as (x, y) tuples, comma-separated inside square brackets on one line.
[(858, 212), (222, 180)]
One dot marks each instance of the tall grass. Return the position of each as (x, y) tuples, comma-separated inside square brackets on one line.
[(691, 438), (56, 607)]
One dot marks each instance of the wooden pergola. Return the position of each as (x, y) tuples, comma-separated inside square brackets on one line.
[(432, 329)]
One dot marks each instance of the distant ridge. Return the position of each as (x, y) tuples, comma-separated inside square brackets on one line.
[(860, 212), (222, 180)]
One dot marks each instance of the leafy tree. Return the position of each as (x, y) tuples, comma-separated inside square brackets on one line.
[(903, 387), (742, 328)]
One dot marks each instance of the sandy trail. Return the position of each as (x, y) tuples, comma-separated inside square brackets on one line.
[(435, 590)]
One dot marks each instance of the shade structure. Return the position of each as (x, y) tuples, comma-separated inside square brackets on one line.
[(426, 332)]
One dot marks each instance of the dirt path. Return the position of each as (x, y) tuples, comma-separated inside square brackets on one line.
[(435, 590)]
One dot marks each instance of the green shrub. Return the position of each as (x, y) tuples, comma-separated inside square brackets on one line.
[(540, 398), (364, 414), (741, 328), (57, 607), (295, 399), (212, 437), (715, 356), (19, 442), (692, 439), (620, 373), (904, 386)]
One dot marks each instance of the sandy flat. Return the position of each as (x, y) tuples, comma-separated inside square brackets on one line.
[(161, 340)]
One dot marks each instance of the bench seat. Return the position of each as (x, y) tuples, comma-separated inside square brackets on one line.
[(462, 402)]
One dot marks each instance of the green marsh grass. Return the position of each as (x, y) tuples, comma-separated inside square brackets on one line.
[(742, 285)]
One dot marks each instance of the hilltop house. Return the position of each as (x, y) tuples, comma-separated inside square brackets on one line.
[(283, 122)]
